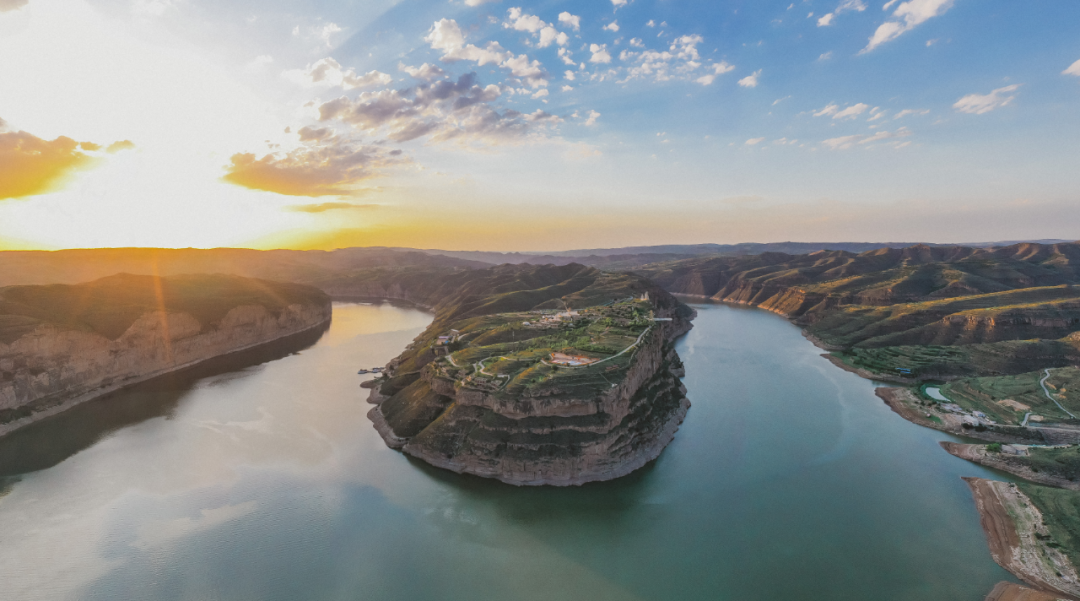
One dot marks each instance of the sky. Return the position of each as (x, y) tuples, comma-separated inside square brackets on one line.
[(536, 126)]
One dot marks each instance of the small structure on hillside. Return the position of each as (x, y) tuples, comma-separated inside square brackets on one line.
[(571, 360)]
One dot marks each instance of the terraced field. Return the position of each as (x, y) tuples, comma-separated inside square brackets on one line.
[(503, 355)]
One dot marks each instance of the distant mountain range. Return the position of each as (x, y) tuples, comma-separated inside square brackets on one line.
[(329, 269), (602, 257)]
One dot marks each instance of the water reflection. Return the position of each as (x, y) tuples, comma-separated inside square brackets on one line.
[(46, 443)]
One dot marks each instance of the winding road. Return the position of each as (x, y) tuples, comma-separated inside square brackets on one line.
[(1042, 383)]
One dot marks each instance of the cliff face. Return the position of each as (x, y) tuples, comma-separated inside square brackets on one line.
[(52, 368)]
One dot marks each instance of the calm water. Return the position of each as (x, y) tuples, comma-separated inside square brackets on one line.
[(263, 480)]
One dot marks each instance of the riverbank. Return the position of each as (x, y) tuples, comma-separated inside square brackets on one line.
[(1010, 591), (1003, 462), (1018, 538)]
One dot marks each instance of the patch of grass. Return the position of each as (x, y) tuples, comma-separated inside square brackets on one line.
[(1061, 514), (1005, 397)]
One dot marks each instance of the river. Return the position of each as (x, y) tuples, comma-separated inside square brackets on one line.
[(262, 479)]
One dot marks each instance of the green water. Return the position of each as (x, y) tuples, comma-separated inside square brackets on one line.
[(263, 480)]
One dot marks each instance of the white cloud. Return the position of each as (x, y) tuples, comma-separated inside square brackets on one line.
[(908, 15), (569, 75), (651, 23), (531, 71), (567, 88), (754, 141), (906, 112), (327, 31), (847, 113), (826, 56), (599, 54), (1073, 69), (750, 81), (619, 3), (329, 72), (977, 104), (842, 142), (845, 142), (830, 109), (844, 6), (613, 26), (637, 43), (852, 111), (569, 20), (446, 36), (591, 120), (779, 100), (717, 69), (478, 2), (424, 72), (523, 22), (889, 4), (546, 32)]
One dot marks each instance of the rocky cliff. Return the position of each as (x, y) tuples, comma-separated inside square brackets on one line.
[(528, 422), (53, 357)]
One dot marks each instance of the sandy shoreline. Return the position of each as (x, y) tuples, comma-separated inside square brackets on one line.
[(1010, 591)]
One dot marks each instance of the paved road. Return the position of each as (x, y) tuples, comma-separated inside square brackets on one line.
[(1042, 383)]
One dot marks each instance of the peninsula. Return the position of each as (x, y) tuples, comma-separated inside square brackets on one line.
[(538, 375), (61, 345)]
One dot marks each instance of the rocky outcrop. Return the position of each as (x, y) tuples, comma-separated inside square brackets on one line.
[(554, 438), (53, 368)]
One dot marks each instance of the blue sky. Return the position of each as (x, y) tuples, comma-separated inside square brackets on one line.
[(539, 126)]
